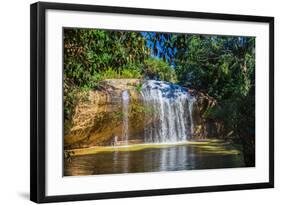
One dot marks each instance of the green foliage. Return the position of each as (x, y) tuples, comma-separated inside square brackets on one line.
[(71, 99), (131, 72), (118, 115), (87, 52), (111, 73), (223, 67), (220, 66), (91, 55), (139, 87), (157, 69), (137, 110)]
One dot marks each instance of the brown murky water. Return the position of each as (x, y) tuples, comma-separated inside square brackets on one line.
[(141, 158)]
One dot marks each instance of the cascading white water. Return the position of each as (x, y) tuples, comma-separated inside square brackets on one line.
[(125, 109), (169, 112), (190, 109)]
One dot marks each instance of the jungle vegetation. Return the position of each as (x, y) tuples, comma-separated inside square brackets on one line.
[(222, 67)]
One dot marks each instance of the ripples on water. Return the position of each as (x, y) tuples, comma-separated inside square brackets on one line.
[(170, 120), (173, 158)]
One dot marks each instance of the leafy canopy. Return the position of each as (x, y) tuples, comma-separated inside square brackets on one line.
[(222, 67)]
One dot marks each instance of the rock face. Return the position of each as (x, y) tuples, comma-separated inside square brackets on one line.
[(203, 126), (99, 118)]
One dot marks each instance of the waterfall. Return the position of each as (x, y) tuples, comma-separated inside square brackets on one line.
[(168, 114), (125, 108), (190, 110)]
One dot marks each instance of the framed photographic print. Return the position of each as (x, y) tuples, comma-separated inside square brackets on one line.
[(129, 102)]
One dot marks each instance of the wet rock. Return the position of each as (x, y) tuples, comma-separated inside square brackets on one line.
[(98, 118)]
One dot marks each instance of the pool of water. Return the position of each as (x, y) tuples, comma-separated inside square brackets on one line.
[(154, 158)]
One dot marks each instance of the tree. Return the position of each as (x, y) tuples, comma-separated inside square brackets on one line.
[(90, 51), (224, 68)]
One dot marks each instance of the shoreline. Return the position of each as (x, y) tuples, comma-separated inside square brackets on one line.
[(209, 144)]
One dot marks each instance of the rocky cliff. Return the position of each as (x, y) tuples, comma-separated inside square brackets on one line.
[(98, 117)]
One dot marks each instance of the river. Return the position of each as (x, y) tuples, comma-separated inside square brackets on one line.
[(155, 158)]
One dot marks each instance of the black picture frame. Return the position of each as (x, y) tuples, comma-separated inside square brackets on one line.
[(38, 101)]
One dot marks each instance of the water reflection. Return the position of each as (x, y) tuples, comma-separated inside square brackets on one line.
[(174, 158)]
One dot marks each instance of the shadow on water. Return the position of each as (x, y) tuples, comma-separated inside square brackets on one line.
[(170, 158)]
